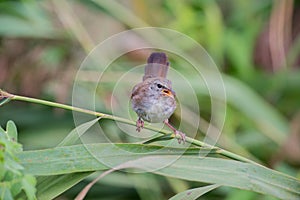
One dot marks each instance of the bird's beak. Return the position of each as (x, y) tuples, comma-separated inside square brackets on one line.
[(169, 93)]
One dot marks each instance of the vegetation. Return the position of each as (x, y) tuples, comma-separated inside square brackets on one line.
[(89, 136)]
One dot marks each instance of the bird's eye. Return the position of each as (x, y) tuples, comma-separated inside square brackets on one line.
[(159, 85)]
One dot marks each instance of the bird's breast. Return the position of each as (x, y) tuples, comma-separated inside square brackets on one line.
[(155, 110)]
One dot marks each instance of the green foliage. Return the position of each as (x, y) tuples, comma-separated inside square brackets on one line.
[(176, 162), (194, 193), (13, 179), (24, 19), (261, 120)]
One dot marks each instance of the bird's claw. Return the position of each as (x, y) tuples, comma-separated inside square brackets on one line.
[(181, 138), (139, 125)]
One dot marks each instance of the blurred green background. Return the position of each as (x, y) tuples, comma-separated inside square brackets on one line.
[(255, 44)]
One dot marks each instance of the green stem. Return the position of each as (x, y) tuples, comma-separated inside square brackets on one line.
[(126, 121), (76, 109)]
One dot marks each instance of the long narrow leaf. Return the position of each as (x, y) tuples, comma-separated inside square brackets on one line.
[(188, 166), (194, 193), (51, 186), (55, 185), (76, 133)]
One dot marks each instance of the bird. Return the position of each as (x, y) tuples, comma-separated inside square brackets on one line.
[(153, 99)]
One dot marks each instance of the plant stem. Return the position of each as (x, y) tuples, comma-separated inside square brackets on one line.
[(76, 109), (123, 120)]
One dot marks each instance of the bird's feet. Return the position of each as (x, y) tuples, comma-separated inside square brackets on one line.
[(139, 125), (181, 137), (177, 133)]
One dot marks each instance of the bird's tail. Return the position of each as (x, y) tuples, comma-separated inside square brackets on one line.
[(157, 66)]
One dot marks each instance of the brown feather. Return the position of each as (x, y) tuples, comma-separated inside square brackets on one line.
[(157, 66)]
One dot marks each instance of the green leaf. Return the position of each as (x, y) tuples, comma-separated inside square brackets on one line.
[(28, 184), (234, 174), (12, 130), (16, 187), (25, 20), (5, 192), (13, 166), (189, 166), (194, 193), (4, 97), (52, 186), (77, 158), (12, 176), (268, 119), (76, 133), (4, 100), (2, 168)]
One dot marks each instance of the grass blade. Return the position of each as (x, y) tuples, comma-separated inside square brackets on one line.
[(194, 193), (189, 166)]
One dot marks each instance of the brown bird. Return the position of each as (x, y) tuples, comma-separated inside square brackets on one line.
[(153, 99)]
